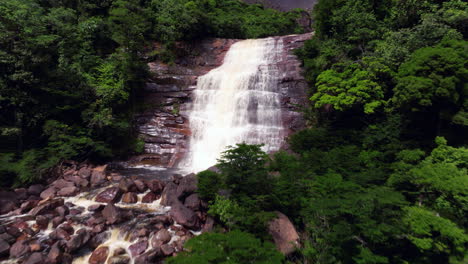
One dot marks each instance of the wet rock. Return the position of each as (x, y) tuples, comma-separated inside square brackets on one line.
[(35, 246), (84, 172), (42, 222), (119, 251), (21, 193), (28, 205), (140, 185), (169, 195), (284, 234), (127, 185), (130, 198), (76, 211), (68, 191), (149, 257), (19, 249), (99, 239), (95, 220), (62, 210), (192, 202), (60, 234), (138, 248), (96, 207), (110, 195), (7, 206), (150, 197), (4, 248), (46, 206), (184, 216), (97, 178), (187, 186), (14, 231), (61, 183), (167, 250), (35, 258), (35, 189), (164, 219), (99, 256), (48, 193), (155, 186), (55, 253), (7, 238), (112, 214), (56, 221), (119, 260), (78, 181), (98, 228), (77, 241), (160, 238)]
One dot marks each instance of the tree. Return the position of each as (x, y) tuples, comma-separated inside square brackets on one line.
[(234, 247)]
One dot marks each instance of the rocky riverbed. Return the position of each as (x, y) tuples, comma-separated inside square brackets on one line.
[(92, 215)]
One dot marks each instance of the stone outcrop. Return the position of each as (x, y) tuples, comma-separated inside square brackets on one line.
[(284, 234)]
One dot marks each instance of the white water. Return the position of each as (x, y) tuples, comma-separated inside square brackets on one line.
[(237, 102)]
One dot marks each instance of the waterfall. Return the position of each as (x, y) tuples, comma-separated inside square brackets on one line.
[(237, 102)]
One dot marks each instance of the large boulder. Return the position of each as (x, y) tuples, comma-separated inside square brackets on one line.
[(192, 202), (19, 249), (77, 241), (138, 248), (150, 197), (55, 253), (187, 186), (130, 198), (112, 214), (98, 176), (169, 195), (160, 238), (155, 186), (99, 256), (68, 191), (48, 193), (284, 234), (35, 258), (110, 195), (127, 185), (46, 206), (35, 189), (61, 183), (4, 248), (184, 216)]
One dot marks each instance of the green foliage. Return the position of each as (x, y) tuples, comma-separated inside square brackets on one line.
[(209, 183), (234, 247)]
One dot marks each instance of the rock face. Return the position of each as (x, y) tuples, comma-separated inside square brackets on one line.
[(165, 128), (284, 234)]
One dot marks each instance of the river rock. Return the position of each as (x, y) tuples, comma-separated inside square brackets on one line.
[(184, 216), (46, 206), (42, 222), (7, 206), (77, 241), (284, 234), (148, 257), (119, 260), (19, 249), (140, 185), (169, 195), (35, 258), (130, 198), (127, 185), (110, 195), (192, 202), (21, 193), (35, 189), (138, 248), (98, 239), (68, 191), (155, 186), (150, 197), (55, 253), (187, 186), (167, 250), (112, 214), (84, 172), (99, 256), (61, 183), (48, 193), (160, 238), (4, 248), (96, 207), (97, 177)]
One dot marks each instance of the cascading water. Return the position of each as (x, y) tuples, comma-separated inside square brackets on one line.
[(237, 102)]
